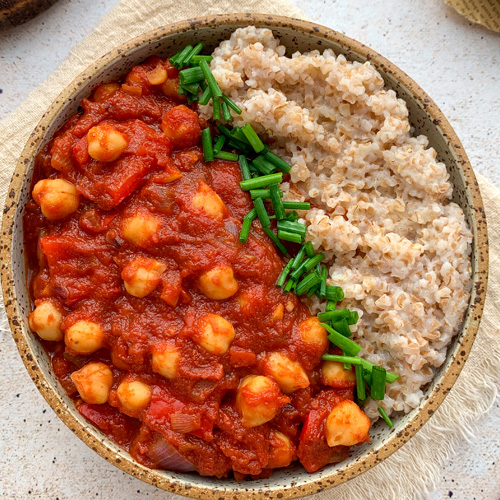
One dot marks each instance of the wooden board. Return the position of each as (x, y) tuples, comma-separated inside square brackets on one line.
[(15, 12)]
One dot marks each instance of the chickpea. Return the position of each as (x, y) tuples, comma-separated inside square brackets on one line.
[(139, 229), (158, 75), (209, 202), (289, 374), (105, 143), (84, 337), (215, 334), (347, 425), (102, 92), (182, 127), (171, 88), (334, 375), (258, 400), (45, 320), (312, 333), (218, 283), (133, 395), (142, 276), (56, 197), (93, 382), (282, 450), (165, 360)]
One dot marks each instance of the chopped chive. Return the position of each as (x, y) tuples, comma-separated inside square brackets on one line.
[(293, 227), (389, 376), (191, 75), (377, 390), (175, 57), (224, 155), (206, 96), (288, 236), (279, 210), (353, 318), (224, 130), (225, 112), (275, 240), (322, 289), (297, 261), (292, 216), (261, 212), (260, 193), (386, 418), (216, 91), (263, 166), (192, 88), (334, 293), (190, 98), (252, 215), (235, 143), (330, 305), (360, 383), (216, 107), (236, 133), (262, 181), (252, 138), (342, 327), (313, 291), (353, 360), (367, 375), (179, 60), (198, 59), (219, 144), (297, 205), (346, 366), (231, 104), (289, 285), (284, 273), (196, 50), (347, 345), (309, 249), (245, 230), (334, 315), (309, 281), (206, 141), (277, 162), (245, 171), (307, 265)]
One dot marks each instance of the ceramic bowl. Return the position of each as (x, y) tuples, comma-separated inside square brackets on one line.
[(426, 119)]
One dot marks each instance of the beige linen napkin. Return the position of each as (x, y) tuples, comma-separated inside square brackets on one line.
[(415, 468)]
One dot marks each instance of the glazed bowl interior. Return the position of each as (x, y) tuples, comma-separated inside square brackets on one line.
[(425, 119)]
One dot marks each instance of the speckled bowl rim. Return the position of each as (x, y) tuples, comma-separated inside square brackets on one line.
[(189, 486)]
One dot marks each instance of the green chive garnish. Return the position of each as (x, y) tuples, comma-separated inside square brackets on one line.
[(279, 209), (389, 376), (297, 261), (353, 318), (330, 306), (175, 57), (293, 227), (292, 216), (275, 240), (252, 215), (386, 418), (342, 327), (377, 390), (196, 50), (322, 289), (216, 106), (287, 236), (191, 75), (216, 91), (179, 59), (307, 265), (245, 171), (225, 112), (297, 205), (260, 193), (231, 104), (198, 59), (334, 293), (313, 290), (224, 155), (360, 383), (220, 143), (289, 285), (277, 162), (334, 315), (260, 182), (192, 88), (353, 360), (253, 138), (284, 273), (309, 281), (309, 249), (206, 96), (261, 212), (347, 345), (206, 141)]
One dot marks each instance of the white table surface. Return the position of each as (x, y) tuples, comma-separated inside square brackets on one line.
[(456, 62)]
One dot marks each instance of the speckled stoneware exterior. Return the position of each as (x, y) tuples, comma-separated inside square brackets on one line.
[(426, 119)]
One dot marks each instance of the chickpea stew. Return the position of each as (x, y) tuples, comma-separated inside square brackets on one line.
[(169, 333)]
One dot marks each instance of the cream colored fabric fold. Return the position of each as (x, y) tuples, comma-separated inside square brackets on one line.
[(413, 470)]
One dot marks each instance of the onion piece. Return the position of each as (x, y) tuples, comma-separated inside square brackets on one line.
[(184, 423), (167, 457)]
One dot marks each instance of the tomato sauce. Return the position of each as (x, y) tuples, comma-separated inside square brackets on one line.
[(79, 263)]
